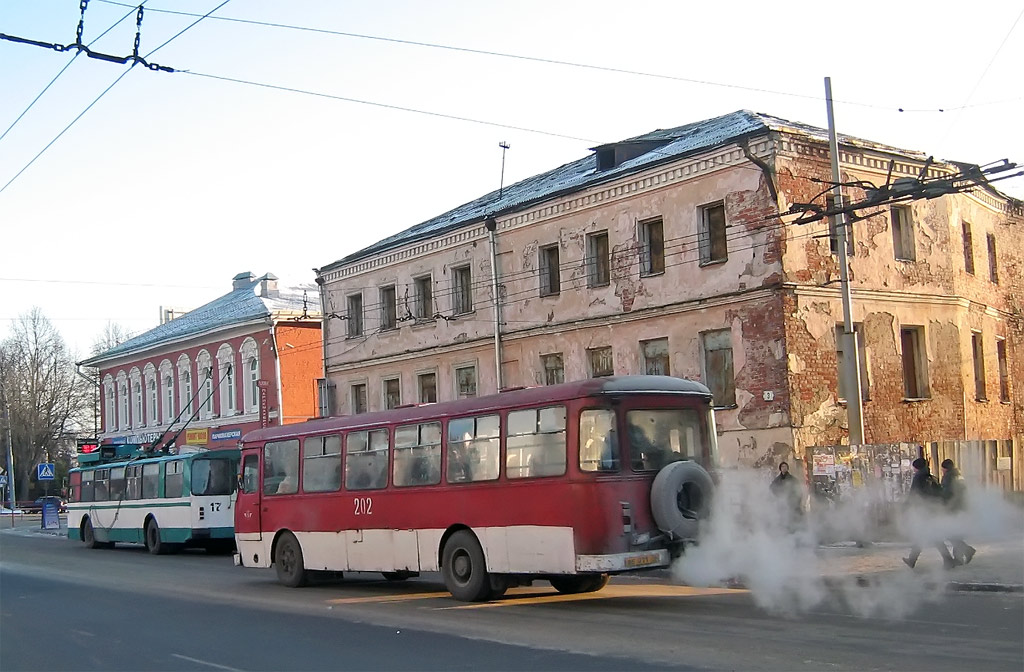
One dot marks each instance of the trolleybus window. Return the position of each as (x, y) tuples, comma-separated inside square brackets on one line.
[(133, 478), (250, 474), (281, 467), (173, 479), (599, 445), (151, 480), (116, 487), (418, 454), (536, 443), (321, 464), (657, 437), (100, 485), (216, 477), (366, 464), (474, 449), (87, 491)]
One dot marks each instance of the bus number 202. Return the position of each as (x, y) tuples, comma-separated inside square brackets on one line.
[(363, 506)]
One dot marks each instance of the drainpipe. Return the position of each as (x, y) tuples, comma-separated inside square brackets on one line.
[(277, 372), (492, 225)]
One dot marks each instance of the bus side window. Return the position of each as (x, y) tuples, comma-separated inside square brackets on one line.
[(418, 454), (174, 479), (321, 464), (133, 482), (599, 446), (366, 460), (116, 487), (88, 492), (250, 473), (281, 467), (474, 449), (100, 493), (536, 443)]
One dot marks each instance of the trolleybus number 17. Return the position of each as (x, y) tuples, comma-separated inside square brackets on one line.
[(363, 506)]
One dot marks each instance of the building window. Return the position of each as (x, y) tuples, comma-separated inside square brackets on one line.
[(993, 269), (137, 403), (226, 376), (1004, 372), (862, 353), (388, 308), (153, 398), (185, 386), (392, 393), (110, 405), (324, 397), (600, 362), (915, 363), (427, 386), (168, 398), (554, 369), (968, 248), (713, 246), (359, 398), (465, 382), (462, 290), (903, 245), (424, 294), (208, 393), (550, 277), (355, 315), (122, 421), (598, 273), (978, 350), (655, 357), (718, 368), (834, 223), (652, 247), (250, 380)]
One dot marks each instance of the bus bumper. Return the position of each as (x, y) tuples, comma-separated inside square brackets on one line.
[(623, 562)]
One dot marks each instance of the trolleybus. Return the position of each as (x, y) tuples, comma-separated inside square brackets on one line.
[(567, 483), (166, 501)]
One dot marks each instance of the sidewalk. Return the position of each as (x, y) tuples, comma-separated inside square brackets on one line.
[(998, 565)]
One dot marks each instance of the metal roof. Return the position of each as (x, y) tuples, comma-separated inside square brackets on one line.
[(582, 173), (238, 306)]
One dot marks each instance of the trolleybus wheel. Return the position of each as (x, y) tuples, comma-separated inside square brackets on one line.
[(464, 568), (680, 497), (153, 542), (89, 537), (288, 562), (579, 583)]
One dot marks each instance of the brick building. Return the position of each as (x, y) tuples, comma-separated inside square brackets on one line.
[(666, 253), (245, 360)]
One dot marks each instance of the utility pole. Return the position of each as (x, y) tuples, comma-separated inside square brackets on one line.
[(851, 355), (491, 224), (10, 454)]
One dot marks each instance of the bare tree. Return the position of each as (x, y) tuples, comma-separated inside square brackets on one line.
[(113, 335), (46, 398)]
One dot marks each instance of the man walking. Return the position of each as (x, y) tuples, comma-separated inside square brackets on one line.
[(953, 495), (924, 490)]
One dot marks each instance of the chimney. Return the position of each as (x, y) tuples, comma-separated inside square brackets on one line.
[(242, 280), (268, 286)]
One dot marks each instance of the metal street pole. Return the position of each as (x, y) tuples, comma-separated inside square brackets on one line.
[(851, 354), (10, 455)]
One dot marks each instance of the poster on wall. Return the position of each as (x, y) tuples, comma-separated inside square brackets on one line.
[(824, 465)]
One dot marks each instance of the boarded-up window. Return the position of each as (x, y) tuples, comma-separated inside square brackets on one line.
[(655, 357), (465, 382), (915, 363), (978, 350), (903, 233), (597, 259), (392, 393), (1004, 372), (550, 276), (359, 398), (462, 289), (355, 315), (862, 352), (993, 268), (388, 308), (554, 369), (600, 362), (968, 248), (427, 384), (652, 247), (718, 367), (713, 245)]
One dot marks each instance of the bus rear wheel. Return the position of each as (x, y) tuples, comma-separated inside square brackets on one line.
[(464, 568), (154, 544), (579, 583), (288, 562)]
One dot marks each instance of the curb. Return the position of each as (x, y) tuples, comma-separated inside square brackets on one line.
[(980, 587)]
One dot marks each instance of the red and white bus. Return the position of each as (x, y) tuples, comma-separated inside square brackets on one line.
[(568, 483)]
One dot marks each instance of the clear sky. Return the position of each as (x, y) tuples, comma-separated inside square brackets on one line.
[(174, 182)]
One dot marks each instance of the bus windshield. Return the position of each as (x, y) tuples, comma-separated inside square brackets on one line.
[(213, 476), (657, 437)]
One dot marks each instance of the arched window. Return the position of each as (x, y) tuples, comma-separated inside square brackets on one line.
[(226, 377), (185, 385), (122, 400), (251, 375), (152, 398), (204, 370), (167, 379), (109, 405), (135, 379)]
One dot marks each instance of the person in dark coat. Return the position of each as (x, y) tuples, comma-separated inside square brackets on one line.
[(922, 494), (953, 495), (786, 488)]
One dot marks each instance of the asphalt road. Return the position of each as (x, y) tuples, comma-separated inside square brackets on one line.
[(64, 607)]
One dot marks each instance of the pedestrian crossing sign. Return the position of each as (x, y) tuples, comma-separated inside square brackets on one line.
[(44, 471)]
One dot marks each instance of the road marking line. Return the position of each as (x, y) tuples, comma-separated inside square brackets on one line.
[(609, 592), (394, 597), (203, 662)]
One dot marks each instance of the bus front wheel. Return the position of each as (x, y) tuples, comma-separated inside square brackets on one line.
[(288, 561), (464, 568), (579, 583), (89, 537)]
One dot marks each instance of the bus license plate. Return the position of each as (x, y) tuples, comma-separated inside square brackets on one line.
[(641, 560)]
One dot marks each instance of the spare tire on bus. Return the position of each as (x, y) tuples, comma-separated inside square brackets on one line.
[(681, 498)]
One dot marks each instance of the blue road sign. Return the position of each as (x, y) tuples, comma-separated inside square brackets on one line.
[(3, 480), (44, 471)]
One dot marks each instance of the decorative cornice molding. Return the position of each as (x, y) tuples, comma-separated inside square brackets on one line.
[(947, 300)]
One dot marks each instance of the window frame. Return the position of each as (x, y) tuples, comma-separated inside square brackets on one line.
[(388, 307), (915, 363), (728, 371), (420, 377), (550, 270), (652, 254), (592, 370), (967, 237), (423, 297), (354, 307), (458, 383), (978, 360), (708, 239), (544, 359), (993, 259), (462, 289), (862, 355), (384, 382), (354, 402), (648, 358), (598, 259), (1003, 366), (904, 241)]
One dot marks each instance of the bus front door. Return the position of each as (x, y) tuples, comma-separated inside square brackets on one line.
[(247, 506)]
